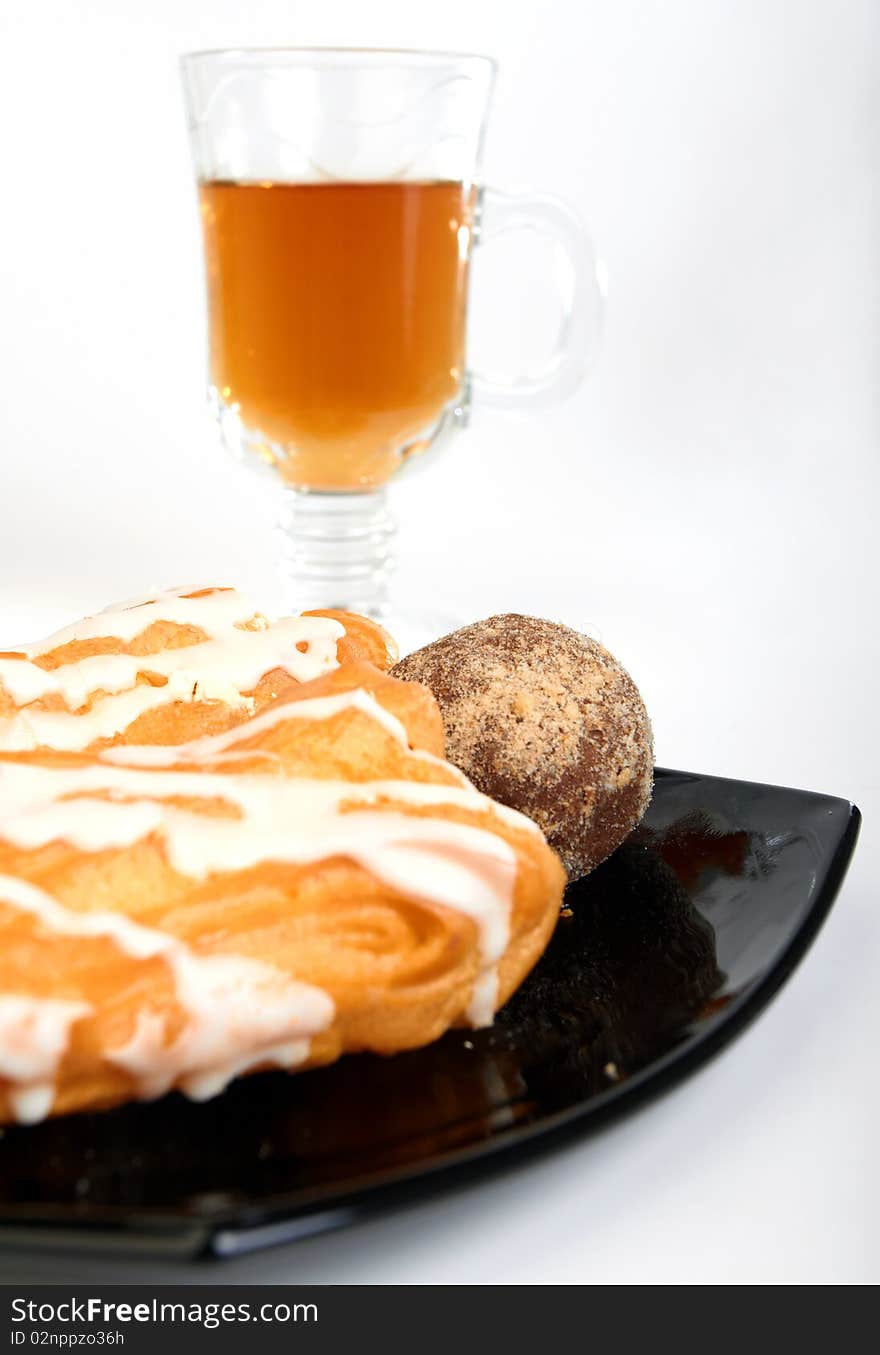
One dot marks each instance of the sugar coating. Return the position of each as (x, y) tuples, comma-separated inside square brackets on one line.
[(544, 719)]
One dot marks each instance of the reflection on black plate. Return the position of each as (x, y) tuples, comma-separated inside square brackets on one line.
[(661, 956)]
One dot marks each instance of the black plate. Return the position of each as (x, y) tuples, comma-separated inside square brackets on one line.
[(660, 958)]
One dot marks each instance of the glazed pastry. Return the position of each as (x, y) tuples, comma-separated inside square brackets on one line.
[(545, 720), (313, 881), (169, 667)]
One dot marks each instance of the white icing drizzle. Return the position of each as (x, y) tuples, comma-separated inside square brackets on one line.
[(215, 748), (279, 819), (216, 612), (484, 998), (223, 667), (29, 729), (296, 820), (221, 748), (239, 1013), (31, 1104), (34, 1033)]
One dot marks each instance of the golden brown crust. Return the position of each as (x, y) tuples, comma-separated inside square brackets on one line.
[(364, 638), (400, 970)]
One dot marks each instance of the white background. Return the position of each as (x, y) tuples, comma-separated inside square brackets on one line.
[(706, 504)]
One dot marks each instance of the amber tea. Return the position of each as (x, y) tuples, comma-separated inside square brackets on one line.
[(337, 318)]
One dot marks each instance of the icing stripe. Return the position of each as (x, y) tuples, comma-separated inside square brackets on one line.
[(229, 663), (233, 663), (34, 1033), (294, 820), (214, 747), (219, 748), (214, 610), (240, 1012)]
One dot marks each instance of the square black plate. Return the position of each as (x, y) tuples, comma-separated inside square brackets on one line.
[(661, 957)]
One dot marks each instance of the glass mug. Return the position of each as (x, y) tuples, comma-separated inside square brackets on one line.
[(340, 200)]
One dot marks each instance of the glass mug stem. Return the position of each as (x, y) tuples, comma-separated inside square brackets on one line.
[(337, 550)]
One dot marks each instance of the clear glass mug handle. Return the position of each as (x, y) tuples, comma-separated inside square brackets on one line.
[(581, 287)]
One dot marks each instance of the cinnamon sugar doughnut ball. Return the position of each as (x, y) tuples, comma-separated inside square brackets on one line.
[(545, 720)]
